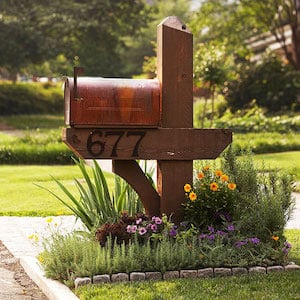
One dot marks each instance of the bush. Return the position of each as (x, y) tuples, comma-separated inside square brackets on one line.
[(273, 84), (30, 98)]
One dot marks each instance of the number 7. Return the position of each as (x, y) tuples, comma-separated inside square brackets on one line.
[(116, 133), (141, 134)]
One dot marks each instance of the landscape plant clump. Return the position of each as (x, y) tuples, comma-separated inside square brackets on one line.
[(234, 217)]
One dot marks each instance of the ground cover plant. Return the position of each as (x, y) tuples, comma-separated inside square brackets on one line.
[(233, 217)]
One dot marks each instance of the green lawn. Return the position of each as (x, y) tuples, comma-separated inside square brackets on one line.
[(289, 161), (20, 196)]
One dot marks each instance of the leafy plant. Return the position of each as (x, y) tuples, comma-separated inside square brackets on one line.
[(211, 199), (96, 206)]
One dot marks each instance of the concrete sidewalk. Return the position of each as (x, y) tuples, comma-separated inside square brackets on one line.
[(14, 233)]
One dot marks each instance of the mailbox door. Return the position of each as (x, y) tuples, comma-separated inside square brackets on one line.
[(101, 102)]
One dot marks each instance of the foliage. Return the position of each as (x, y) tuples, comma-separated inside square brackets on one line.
[(55, 28), (84, 258), (95, 206), (254, 120), (30, 98), (276, 17), (264, 201), (271, 83), (211, 200), (210, 71)]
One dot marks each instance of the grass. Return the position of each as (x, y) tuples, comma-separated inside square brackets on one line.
[(20, 196), (289, 161), (283, 285), (273, 286)]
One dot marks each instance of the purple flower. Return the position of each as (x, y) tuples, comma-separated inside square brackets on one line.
[(211, 229), (153, 227), (285, 250), (202, 236), (128, 228), (220, 232), (239, 244), (254, 240), (173, 232), (287, 245), (139, 221), (211, 237), (133, 228), (142, 230), (230, 227), (157, 220)]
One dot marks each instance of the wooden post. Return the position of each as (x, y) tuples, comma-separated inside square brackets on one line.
[(126, 120), (175, 73)]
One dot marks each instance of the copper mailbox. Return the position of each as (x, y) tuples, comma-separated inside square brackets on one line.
[(102, 102)]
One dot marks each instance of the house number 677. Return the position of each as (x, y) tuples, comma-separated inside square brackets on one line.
[(97, 139)]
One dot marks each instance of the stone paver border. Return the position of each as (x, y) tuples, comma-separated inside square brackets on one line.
[(200, 273)]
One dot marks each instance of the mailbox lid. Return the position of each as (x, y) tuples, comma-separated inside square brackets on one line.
[(101, 102)]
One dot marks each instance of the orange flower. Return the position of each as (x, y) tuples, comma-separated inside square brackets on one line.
[(192, 196), (218, 173), (231, 186), (224, 177), (206, 168), (200, 175), (275, 238), (214, 186), (187, 188)]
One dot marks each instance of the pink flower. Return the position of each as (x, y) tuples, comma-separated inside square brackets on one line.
[(158, 220), (139, 221), (133, 228), (154, 227), (142, 230)]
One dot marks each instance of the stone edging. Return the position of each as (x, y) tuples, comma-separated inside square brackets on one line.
[(200, 273)]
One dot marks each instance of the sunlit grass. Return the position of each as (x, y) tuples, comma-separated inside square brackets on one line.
[(19, 194)]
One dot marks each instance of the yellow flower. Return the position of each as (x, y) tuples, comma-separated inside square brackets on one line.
[(224, 177), (214, 186), (200, 175), (192, 196), (218, 173), (231, 186), (49, 220), (187, 188), (275, 238), (33, 237), (206, 168)]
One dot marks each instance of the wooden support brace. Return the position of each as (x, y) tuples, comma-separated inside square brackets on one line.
[(133, 174)]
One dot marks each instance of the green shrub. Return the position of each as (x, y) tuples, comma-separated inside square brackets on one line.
[(264, 200), (255, 120), (273, 84), (30, 98)]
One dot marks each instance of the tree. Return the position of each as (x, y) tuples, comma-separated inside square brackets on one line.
[(276, 16), (37, 31)]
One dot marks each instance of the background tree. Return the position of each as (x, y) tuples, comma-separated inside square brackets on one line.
[(93, 31), (277, 16)]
